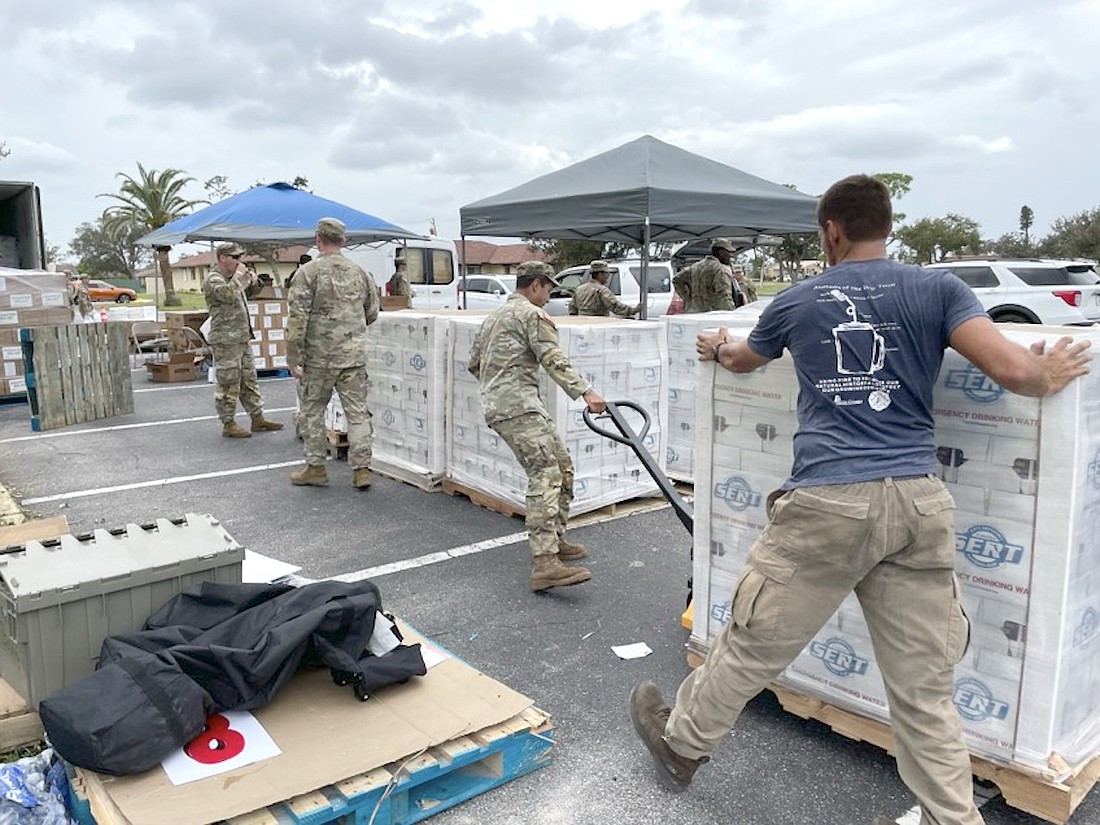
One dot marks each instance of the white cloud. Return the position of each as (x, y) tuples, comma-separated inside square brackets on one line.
[(409, 110)]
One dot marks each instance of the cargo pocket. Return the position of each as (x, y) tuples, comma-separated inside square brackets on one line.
[(958, 626), (760, 598), (935, 531)]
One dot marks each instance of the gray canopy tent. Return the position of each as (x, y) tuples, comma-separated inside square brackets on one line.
[(642, 192)]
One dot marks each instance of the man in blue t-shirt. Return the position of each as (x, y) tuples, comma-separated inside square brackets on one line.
[(862, 509)]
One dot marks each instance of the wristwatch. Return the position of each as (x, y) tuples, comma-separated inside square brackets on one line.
[(715, 348)]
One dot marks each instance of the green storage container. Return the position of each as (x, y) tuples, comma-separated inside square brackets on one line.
[(62, 597)]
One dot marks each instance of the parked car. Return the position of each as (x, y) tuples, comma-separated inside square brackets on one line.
[(487, 291), (103, 291), (624, 281), (1032, 291)]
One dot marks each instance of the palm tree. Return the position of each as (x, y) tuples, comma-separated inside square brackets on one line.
[(151, 200)]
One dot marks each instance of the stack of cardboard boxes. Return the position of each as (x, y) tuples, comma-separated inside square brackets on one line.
[(1025, 476), (27, 298), (624, 360), (268, 316)]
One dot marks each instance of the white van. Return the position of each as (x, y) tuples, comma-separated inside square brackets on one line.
[(625, 281), (432, 268)]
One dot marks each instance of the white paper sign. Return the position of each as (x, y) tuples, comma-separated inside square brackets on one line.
[(633, 651), (230, 740)]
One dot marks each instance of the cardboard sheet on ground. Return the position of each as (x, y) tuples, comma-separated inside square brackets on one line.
[(326, 736)]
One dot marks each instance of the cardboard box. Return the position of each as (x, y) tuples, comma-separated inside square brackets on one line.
[(180, 366), (326, 736), (393, 302)]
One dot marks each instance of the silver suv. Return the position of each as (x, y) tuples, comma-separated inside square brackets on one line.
[(1033, 290)]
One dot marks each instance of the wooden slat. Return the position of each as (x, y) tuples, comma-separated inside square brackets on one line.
[(33, 530)]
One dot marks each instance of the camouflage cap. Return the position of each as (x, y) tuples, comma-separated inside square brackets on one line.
[(529, 270), (598, 266), (721, 243), (332, 227), (229, 249)]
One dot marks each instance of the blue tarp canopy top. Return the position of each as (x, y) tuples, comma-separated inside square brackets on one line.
[(275, 212)]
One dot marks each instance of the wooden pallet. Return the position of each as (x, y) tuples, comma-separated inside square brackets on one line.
[(396, 794), (1052, 796), (428, 482), (615, 508), (482, 499), (19, 725), (13, 398), (337, 444)]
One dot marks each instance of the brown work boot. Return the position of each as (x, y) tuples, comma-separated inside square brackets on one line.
[(568, 551), (231, 429), (313, 475), (649, 713), (259, 424), (547, 571), (360, 478)]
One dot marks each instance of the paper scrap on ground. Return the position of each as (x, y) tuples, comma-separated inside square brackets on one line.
[(230, 740), (260, 569), (634, 651), (432, 655)]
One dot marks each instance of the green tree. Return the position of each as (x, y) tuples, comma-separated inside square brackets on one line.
[(898, 183), (149, 201), (793, 250), (1075, 236), (104, 248), (4, 151), (566, 252), (930, 239), (301, 183), (1027, 219), (1009, 245)]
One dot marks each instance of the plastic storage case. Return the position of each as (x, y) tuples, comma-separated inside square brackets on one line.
[(62, 597)]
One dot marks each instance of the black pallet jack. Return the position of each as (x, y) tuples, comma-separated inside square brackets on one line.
[(635, 441)]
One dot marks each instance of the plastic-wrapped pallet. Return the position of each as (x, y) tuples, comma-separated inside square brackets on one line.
[(407, 367), (683, 378), (1025, 476), (622, 359)]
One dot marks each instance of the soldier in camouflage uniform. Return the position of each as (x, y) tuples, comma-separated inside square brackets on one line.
[(399, 281), (331, 302), (80, 299), (505, 357), (709, 284), (595, 298), (230, 334)]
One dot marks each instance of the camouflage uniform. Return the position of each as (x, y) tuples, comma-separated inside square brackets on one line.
[(594, 298), (705, 286), (331, 302), (748, 288), (230, 334), (78, 296), (505, 358), (399, 284)]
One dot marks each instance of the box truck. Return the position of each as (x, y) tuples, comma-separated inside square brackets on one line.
[(22, 240)]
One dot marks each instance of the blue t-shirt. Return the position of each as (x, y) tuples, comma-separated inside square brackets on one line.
[(867, 340)]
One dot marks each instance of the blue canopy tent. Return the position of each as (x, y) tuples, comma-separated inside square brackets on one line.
[(275, 212)]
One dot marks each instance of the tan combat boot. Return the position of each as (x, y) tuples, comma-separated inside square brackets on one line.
[(568, 551), (231, 429), (312, 475), (547, 571), (360, 478), (259, 424)]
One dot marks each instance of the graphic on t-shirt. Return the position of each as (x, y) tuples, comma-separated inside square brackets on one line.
[(860, 351)]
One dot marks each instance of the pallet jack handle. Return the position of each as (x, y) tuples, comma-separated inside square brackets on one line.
[(626, 435)]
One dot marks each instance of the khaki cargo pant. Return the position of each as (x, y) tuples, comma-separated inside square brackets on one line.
[(893, 542), (314, 391), (235, 374), (542, 455)]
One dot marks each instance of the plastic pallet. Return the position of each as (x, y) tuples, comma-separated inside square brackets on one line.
[(400, 793), (274, 372)]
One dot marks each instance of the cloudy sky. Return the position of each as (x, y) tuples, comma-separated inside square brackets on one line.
[(409, 109)]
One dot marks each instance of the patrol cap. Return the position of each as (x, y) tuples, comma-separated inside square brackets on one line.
[(332, 228), (598, 266), (530, 270), (229, 249), (721, 243)]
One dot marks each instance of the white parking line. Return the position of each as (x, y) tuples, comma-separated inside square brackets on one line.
[(117, 427), (160, 482)]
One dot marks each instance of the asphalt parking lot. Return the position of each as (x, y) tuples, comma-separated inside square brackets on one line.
[(168, 458)]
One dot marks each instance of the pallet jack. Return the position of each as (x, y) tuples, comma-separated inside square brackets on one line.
[(635, 440)]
